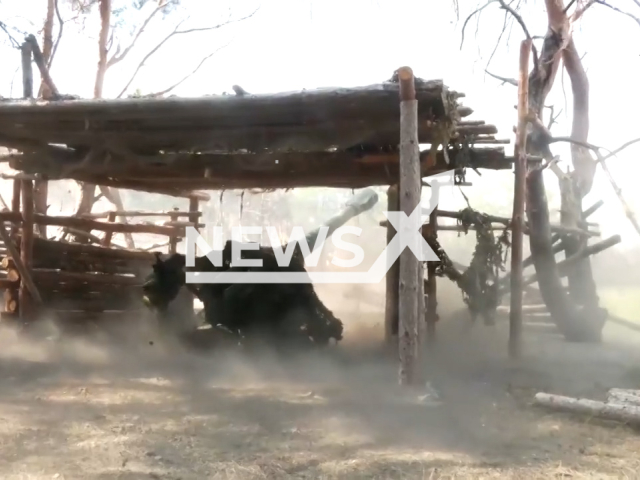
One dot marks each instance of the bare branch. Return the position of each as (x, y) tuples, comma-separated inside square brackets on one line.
[(495, 48), (474, 13), (616, 188), (581, 9), (5, 29), (595, 148), (616, 9), (186, 77), (57, 42), (175, 32), (619, 149), (519, 19), (117, 56), (573, 141), (553, 118), (517, 16), (566, 9), (510, 81)]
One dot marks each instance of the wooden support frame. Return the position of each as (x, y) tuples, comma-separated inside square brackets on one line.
[(517, 222), (409, 195)]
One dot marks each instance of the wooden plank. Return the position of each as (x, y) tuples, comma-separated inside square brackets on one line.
[(286, 108), (84, 223)]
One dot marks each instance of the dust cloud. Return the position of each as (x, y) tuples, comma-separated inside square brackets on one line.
[(123, 404)]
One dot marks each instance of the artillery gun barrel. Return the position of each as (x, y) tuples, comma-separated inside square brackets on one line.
[(360, 203)]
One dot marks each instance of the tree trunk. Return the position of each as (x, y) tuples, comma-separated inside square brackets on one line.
[(41, 187), (47, 45), (575, 326), (582, 287), (88, 190), (105, 22)]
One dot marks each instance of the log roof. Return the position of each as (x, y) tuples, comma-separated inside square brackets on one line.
[(333, 137)]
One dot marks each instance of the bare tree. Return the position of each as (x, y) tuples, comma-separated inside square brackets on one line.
[(558, 50), (111, 52)]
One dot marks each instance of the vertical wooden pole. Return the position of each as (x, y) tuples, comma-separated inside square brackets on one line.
[(432, 286), (517, 222), (108, 236), (26, 249), (194, 206), (15, 204), (173, 240), (27, 70), (392, 279), (409, 194)]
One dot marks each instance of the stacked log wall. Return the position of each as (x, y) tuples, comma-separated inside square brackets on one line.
[(77, 281)]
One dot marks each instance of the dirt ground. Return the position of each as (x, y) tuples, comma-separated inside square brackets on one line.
[(98, 409)]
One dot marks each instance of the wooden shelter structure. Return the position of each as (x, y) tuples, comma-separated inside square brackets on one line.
[(332, 137)]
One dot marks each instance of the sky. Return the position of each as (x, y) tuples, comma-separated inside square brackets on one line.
[(295, 44)]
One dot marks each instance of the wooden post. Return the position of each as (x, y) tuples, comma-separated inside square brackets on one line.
[(27, 70), (517, 221), (194, 208), (392, 279), (26, 249), (173, 239), (431, 313), (106, 242), (409, 194)]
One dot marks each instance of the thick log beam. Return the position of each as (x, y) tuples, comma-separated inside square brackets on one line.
[(307, 120), (184, 171), (90, 252)]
